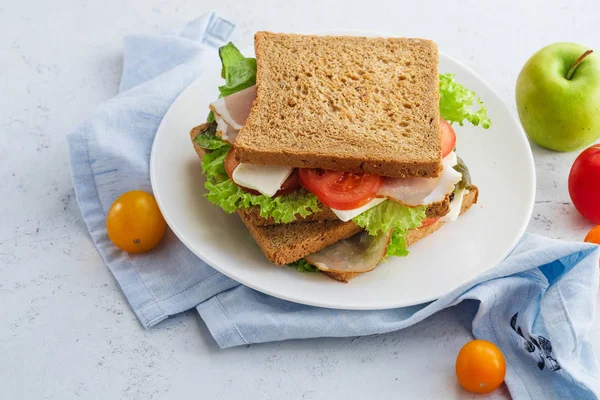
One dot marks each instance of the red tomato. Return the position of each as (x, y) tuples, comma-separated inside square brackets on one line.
[(584, 183), (428, 221), (448, 137), (340, 190), (291, 183)]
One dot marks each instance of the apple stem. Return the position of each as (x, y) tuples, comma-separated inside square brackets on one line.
[(579, 60)]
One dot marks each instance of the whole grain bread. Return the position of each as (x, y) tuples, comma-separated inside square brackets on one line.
[(285, 243), (252, 214), (353, 104)]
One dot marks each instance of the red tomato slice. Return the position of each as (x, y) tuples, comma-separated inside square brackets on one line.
[(448, 137), (340, 190), (428, 221), (291, 183)]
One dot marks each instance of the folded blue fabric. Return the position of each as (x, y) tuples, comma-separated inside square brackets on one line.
[(537, 305)]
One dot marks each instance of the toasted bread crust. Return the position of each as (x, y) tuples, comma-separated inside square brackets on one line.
[(350, 104), (285, 243)]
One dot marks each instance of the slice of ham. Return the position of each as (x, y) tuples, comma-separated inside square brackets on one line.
[(224, 131), (413, 192), (235, 108), (408, 191), (359, 253), (450, 177)]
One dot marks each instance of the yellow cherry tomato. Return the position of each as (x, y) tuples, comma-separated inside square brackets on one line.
[(134, 222), (593, 235), (480, 366)]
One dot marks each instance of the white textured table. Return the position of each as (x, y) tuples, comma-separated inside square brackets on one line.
[(66, 331)]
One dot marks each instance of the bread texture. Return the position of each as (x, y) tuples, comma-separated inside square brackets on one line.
[(285, 243), (352, 104)]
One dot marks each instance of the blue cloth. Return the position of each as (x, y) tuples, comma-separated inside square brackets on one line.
[(537, 305)]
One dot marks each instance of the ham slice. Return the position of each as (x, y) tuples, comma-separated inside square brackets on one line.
[(408, 191), (224, 131), (359, 253), (413, 192), (235, 108), (448, 180)]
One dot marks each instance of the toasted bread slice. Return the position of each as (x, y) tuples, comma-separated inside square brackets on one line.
[(252, 214), (343, 103), (285, 243)]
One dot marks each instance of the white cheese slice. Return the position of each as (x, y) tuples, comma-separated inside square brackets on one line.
[(455, 206), (267, 179), (347, 215)]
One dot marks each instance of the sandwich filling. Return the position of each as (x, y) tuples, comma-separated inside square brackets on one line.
[(385, 207)]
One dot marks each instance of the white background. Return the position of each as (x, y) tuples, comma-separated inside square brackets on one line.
[(67, 332)]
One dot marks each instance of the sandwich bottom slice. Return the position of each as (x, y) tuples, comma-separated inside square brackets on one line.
[(285, 243)]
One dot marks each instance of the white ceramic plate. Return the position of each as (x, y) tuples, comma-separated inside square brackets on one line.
[(500, 162)]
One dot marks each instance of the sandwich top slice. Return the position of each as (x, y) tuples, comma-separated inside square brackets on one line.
[(352, 104), (337, 156)]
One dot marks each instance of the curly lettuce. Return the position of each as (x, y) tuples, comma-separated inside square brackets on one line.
[(456, 103), (282, 209), (393, 216), (230, 197), (397, 246), (238, 71)]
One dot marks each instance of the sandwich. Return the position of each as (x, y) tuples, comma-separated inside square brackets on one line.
[(337, 152)]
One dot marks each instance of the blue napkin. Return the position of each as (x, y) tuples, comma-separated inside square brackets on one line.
[(537, 305)]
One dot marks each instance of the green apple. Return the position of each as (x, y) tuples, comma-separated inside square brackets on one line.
[(558, 96)]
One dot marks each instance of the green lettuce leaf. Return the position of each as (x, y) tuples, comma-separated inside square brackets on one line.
[(211, 117), (395, 216), (207, 139), (238, 71), (227, 195), (397, 246), (303, 266), (283, 209), (390, 215), (230, 197), (213, 164), (456, 103)]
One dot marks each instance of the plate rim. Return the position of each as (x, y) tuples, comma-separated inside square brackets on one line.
[(355, 306)]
